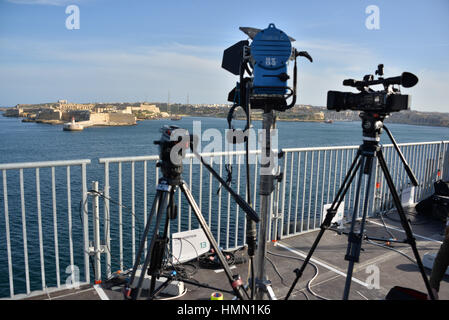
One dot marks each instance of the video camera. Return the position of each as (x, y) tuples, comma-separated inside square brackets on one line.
[(265, 60), (173, 144), (383, 101)]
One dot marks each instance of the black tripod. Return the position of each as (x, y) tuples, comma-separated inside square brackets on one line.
[(164, 204), (372, 124)]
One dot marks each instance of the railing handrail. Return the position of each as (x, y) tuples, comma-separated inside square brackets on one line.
[(188, 155), (356, 146), (59, 163), (43, 164), (242, 152)]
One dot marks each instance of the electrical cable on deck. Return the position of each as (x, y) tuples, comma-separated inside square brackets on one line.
[(309, 283)]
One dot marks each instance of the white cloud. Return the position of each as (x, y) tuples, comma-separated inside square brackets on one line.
[(430, 92), (91, 71), (44, 2), (336, 61), (133, 74)]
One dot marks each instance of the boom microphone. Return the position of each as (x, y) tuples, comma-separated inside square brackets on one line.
[(406, 79)]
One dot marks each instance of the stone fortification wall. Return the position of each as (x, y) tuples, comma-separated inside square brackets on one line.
[(99, 118), (13, 112), (79, 115), (49, 114), (122, 119), (111, 119), (74, 106), (148, 107)]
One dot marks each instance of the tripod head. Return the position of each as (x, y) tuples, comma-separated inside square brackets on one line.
[(372, 125)]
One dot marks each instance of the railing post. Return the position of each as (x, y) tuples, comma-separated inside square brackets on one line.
[(96, 227), (281, 231), (85, 223), (8, 238), (445, 169), (107, 219), (440, 163)]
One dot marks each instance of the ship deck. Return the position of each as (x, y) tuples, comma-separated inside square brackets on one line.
[(325, 279)]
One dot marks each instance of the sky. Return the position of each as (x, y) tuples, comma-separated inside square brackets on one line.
[(131, 50)]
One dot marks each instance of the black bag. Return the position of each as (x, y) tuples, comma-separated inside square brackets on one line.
[(401, 293), (440, 210), (437, 205), (441, 188), (425, 207)]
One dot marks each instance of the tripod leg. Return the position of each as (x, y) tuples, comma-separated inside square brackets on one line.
[(328, 219), (405, 223), (235, 283), (154, 293), (345, 185), (355, 240), (407, 168), (144, 237), (160, 212)]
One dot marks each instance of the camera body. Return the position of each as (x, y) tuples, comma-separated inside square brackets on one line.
[(367, 100), (173, 144), (381, 102)]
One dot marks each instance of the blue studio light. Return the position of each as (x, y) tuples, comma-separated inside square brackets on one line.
[(270, 51)]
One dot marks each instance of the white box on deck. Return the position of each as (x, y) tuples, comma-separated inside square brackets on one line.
[(188, 245)]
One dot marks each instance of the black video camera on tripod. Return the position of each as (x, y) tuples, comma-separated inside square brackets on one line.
[(385, 101), (375, 107), (173, 144)]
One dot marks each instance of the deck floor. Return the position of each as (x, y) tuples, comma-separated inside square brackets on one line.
[(393, 268)]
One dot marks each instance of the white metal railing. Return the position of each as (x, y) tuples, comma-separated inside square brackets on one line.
[(46, 218), (311, 177), (229, 227)]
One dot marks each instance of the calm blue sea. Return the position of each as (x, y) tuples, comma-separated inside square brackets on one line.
[(23, 142), (27, 142)]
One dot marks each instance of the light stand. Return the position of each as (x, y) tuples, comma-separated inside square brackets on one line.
[(265, 60), (263, 285)]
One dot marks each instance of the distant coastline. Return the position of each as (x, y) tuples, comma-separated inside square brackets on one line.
[(131, 113)]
